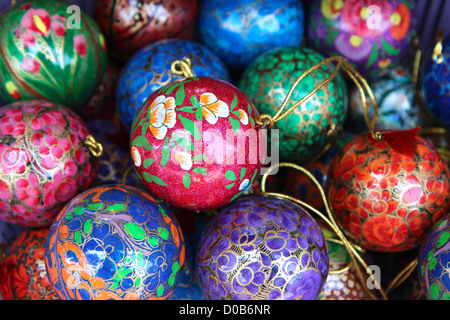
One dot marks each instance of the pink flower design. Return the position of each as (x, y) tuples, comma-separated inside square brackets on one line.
[(28, 190), (60, 190), (13, 160), (11, 123), (38, 21), (5, 193), (31, 65), (79, 43), (52, 151)]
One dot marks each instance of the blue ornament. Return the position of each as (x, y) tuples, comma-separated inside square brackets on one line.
[(150, 69), (114, 242), (435, 83), (239, 31)]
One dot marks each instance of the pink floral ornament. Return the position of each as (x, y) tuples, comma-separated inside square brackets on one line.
[(79, 43), (38, 22), (31, 65)]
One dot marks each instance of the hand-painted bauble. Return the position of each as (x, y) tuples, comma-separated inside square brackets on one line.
[(114, 242), (50, 51), (435, 84), (239, 31), (306, 131), (298, 185), (262, 248), (433, 260), (23, 270), (397, 108), (371, 34), (131, 25), (45, 161), (343, 282), (195, 143), (150, 69), (387, 193)]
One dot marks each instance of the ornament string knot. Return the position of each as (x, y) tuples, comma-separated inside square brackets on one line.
[(95, 147), (437, 51), (182, 67)]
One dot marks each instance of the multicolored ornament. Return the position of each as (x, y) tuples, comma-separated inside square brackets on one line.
[(395, 97), (114, 242), (373, 35), (46, 159), (306, 131), (23, 272), (49, 51), (239, 31), (151, 68), (262, 248), (386, 192), (433, 260), (188, 143), (435, 83), (131, 25)]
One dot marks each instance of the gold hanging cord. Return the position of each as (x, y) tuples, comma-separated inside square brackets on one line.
[(95, 147), (182, 67)]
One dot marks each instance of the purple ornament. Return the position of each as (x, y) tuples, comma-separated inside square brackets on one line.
[(373, 35), (262, 248)]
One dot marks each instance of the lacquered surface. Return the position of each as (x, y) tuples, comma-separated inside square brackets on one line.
[(238, 31), (306, 131), (384, 199), (45, 56), (397, 108), (25, 269), (371, 38), (131, 25), (114, 242), (45, 161), (262, 248), (180, 147), (434, 257), (435, 84), (150, 69)]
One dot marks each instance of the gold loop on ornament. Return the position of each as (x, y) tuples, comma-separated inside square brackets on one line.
[(437, 55), (182, 67), (402, 275), (95, 147), (125, 174), (359, 81), (355, 257)]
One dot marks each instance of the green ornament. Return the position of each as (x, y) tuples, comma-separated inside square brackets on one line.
[(50, 50), (311, 127)]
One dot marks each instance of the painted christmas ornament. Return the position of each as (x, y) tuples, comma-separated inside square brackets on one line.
[(435, 84), (239, 31), (386, 194), (373, 35), (45, 161), (114, 242), (306, 131), (397, 108), (23, 270), (188, 143), (262, 248), (434, 257), (131, 25), (150, 69), (50, 51)]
